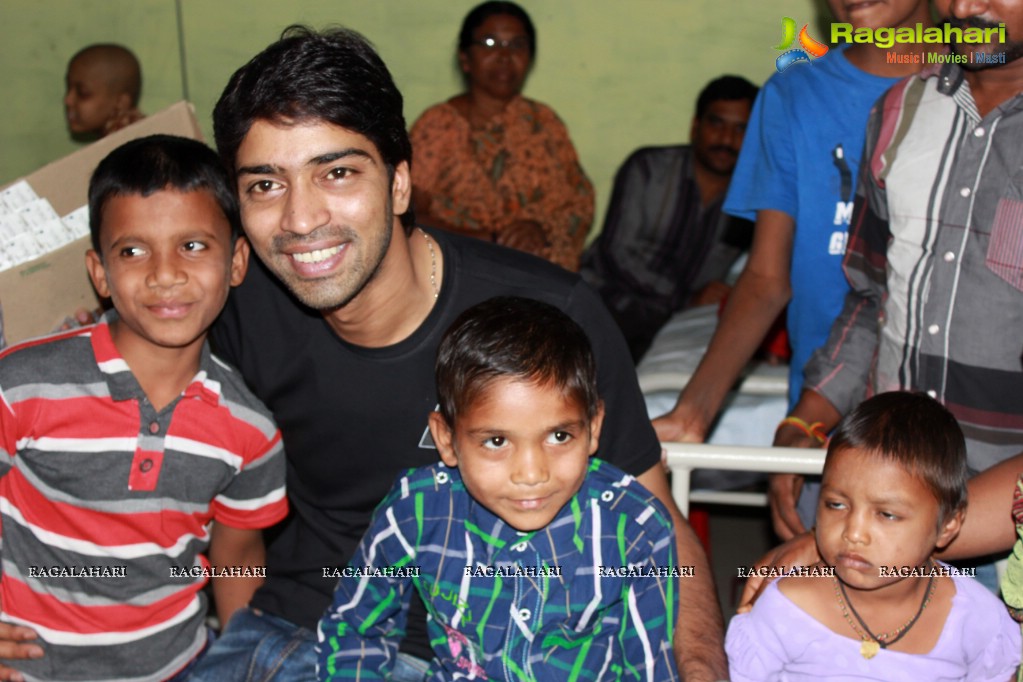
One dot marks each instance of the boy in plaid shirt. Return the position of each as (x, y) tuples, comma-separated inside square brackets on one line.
[(535, 561)]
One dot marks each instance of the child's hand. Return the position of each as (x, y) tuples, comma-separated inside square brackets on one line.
[(121, 119), (81, 318), (15, 642)]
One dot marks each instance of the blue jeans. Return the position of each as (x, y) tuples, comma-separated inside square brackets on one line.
[(409, 669), (259, 647), (185, 673)]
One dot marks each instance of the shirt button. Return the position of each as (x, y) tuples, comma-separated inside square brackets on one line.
[(442, 477), (525, 614), (949, 256), (932, 393), (979, 132), (607, 496), (145, 465), (154, 427), (964, 192), (519, 547), (933, 329)]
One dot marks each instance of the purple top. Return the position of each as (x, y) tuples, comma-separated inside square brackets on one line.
[(779, 641)]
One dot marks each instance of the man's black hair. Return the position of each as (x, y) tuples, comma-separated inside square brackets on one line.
[(725, 88), (333, 76)]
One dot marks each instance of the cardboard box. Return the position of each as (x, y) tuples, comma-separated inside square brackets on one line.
[(36, 296)]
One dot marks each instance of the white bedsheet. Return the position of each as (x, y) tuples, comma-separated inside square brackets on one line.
[(750, 415)]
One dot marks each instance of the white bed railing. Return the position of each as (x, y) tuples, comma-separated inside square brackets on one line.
[(683, 458)]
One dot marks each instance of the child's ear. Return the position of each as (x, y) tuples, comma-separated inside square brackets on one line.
[(950, 528), (239, 261), (595, 424), (443, 438), (97, 273)]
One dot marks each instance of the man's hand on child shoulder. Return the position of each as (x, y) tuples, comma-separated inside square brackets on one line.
[(81, 318), (801, 550), (16, 641)]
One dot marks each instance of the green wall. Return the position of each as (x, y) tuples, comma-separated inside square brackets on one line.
[(622, 74)]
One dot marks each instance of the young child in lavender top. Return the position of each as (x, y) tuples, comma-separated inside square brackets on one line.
[(893, 492)]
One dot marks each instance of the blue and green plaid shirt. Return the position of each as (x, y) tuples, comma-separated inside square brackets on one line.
[(593, 596)]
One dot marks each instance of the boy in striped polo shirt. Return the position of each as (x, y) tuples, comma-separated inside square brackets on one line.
[(126, 449), (535, 562)]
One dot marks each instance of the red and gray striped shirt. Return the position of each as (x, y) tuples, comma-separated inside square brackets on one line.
[(106, 503)]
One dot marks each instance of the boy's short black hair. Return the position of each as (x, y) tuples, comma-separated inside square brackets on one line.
[(335, 76), (915, 432), (156, 163), (517, 338)]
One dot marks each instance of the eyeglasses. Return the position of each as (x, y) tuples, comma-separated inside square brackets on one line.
[(490, 43)]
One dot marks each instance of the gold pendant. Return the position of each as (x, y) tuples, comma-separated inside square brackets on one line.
[(869, 648)]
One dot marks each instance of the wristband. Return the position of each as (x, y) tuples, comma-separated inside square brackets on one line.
[(815, 430)]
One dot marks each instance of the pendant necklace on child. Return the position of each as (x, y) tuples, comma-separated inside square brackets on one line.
[(870, 643)]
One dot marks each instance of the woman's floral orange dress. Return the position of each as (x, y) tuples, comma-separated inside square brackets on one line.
[(520, 166)]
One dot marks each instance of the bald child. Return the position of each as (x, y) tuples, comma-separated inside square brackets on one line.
[(103, 86)]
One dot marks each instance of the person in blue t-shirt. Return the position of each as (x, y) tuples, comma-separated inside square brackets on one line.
[(796, 177)]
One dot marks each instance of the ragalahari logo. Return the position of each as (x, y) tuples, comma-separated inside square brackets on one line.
[(811, 49)]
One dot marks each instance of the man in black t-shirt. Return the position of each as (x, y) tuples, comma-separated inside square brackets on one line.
[(337, 329)]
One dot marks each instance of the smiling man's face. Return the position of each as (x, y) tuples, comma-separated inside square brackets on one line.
[(318, 204)]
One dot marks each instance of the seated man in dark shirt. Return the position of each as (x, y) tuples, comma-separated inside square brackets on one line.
[(666, 245)]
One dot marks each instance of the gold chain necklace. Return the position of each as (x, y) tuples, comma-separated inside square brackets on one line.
[(870, 643), (433, 263)]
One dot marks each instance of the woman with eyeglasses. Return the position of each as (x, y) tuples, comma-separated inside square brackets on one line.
[(492, 164)]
